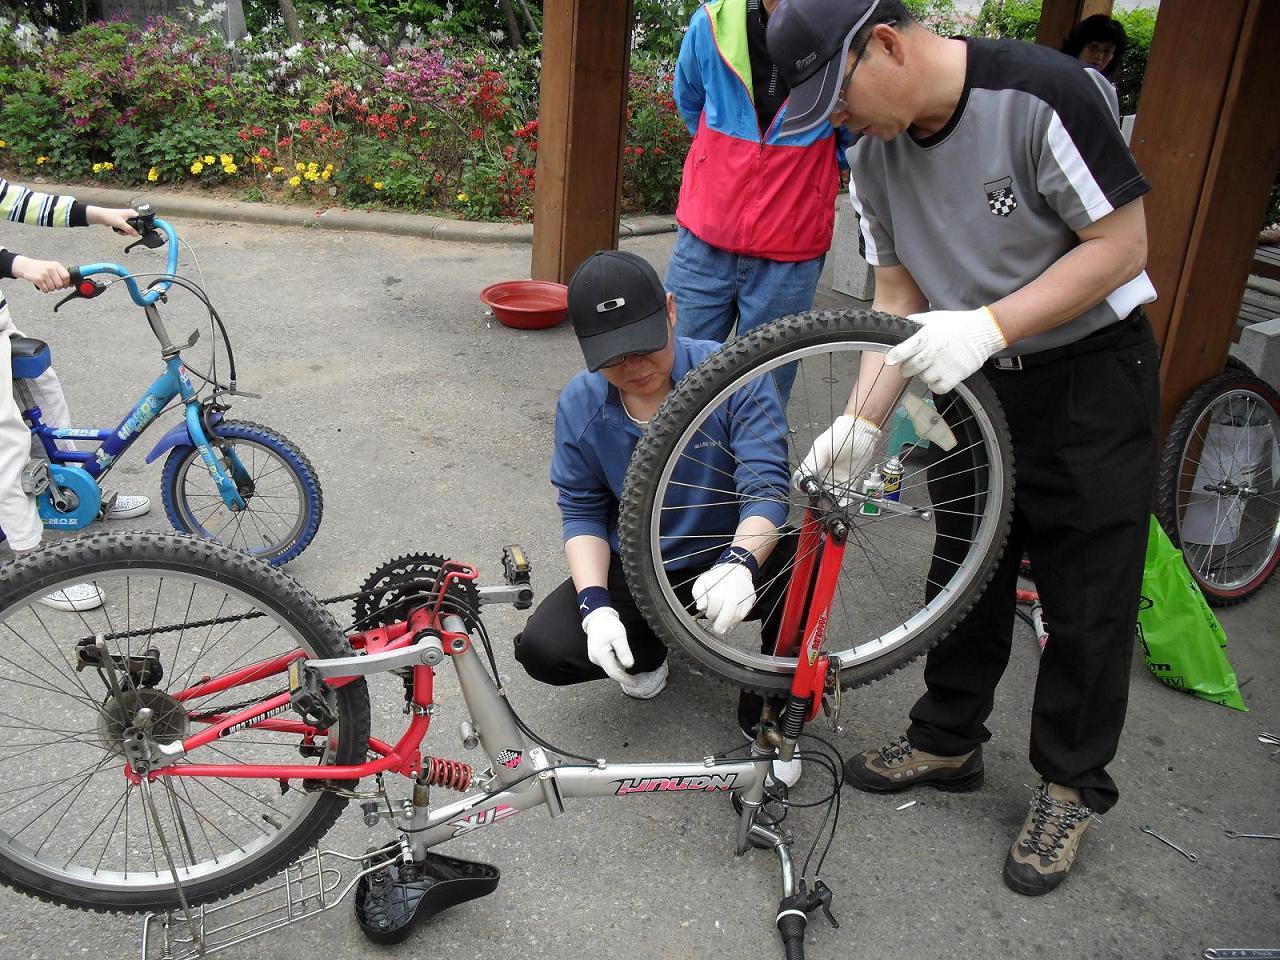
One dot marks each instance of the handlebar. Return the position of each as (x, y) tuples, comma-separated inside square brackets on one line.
[(154, 233)]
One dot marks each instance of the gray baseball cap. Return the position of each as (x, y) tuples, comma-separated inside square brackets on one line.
[(809, 41)]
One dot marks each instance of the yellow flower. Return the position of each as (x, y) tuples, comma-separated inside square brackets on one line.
[(328, 171), (229, 168), (463, 197), (153, 175), (327, 166), (368, 179), (257, 161), (313, 165), (377, 184), (208, 159), (97, 168), (311, 175), (295, 180), (277, 169), (226, 158), (108, 165), (299, 166), (3, 144), (197, 167), (40, 160)]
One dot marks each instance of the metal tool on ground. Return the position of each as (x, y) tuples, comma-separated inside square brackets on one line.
[(1252, 836), (1242, 953), (1167, 842)]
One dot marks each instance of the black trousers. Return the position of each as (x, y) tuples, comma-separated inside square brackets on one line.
[(552, 647), (1084, 433)]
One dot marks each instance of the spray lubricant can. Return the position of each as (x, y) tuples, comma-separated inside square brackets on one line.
[(892, 479), (872, 489)]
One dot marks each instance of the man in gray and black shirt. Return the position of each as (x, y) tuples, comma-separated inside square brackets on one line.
[(1002, 211)]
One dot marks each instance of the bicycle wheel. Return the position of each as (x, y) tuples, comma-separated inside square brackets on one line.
[(176, 611), (1218, 493), (907, 575), (279, 486)]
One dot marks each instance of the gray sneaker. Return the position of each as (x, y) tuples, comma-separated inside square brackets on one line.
[(899, 766), (1045, 849)]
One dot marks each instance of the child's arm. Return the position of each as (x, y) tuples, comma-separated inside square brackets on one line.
[(20, 204)]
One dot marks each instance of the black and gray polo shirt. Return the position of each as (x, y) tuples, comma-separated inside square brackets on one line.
[(1031, 155)]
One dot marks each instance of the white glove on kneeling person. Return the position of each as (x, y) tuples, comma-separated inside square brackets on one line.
[(840, 455), (607, 645), (951, 346), (725, 595)]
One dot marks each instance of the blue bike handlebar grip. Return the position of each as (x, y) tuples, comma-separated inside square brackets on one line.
[(791, 926)]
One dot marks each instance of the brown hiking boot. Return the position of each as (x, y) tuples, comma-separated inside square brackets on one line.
[(1044, 850), (900, 766)]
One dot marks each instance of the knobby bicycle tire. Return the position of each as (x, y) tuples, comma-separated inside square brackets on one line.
[(269, 590), (765, 346)]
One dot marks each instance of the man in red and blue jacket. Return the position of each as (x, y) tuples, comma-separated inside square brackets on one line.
[(756, 208)]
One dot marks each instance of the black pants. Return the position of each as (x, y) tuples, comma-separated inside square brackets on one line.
[(1084, 434), (552, 647)]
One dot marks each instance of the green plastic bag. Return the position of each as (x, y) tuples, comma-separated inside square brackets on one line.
[(1182, 639)]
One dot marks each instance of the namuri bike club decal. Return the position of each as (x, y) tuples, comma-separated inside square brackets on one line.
[(702, 783)]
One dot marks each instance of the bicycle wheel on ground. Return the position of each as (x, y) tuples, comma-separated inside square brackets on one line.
[(908, 573), (279, 486), (1218, 492), (73, 830)]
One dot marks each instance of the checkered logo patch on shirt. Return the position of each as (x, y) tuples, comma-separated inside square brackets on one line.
[(1000, 198), (510, 758)]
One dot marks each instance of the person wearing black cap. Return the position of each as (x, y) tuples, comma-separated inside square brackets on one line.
[(757, 205), (1002, 212), (589, 627)]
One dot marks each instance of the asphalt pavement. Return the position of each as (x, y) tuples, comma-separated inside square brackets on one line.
[(431, 426)]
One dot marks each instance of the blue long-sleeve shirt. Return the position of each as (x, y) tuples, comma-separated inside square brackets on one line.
[(735, 469)]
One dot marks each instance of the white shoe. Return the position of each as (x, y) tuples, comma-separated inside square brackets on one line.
[(126, 508), (789, 772), (646, 686), (75, 598)]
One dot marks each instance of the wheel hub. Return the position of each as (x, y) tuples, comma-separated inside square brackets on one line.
[(169, 718)]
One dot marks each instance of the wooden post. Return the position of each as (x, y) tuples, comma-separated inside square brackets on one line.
[(1057, 17), (1210, 149), (586, 52)]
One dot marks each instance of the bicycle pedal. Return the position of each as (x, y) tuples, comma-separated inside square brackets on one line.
[(310, 696), (394, 899)]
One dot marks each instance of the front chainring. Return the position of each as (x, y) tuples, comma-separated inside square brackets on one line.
[(393, 589)]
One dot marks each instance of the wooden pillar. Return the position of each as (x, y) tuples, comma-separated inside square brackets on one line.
[(1208, 140), (586, 51), (1057, 17)]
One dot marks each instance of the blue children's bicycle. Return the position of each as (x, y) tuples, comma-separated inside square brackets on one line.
[(232, 481)]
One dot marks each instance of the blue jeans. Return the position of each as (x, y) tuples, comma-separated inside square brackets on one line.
[(714, 288)]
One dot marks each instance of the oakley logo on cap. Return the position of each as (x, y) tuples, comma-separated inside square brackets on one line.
[(804, 62), (610, 305)]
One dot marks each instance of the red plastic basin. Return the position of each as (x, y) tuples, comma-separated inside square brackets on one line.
[(527, 304)]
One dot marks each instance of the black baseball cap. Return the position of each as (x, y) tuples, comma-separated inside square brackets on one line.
[(617, 306), (809, 41)]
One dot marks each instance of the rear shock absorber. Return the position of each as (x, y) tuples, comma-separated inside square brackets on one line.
[(450, 774)]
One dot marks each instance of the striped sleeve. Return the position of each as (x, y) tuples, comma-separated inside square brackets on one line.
[(21, 205), (1085, 170), (865, 176)]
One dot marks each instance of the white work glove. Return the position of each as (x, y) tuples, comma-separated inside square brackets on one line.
[(840, 456), (607, 645), (725, 595), (951, 346)]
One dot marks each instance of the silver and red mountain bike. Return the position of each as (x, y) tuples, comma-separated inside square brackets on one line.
[(202, 730)]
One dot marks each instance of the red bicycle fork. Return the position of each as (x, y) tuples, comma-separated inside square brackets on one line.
[(819, 553)]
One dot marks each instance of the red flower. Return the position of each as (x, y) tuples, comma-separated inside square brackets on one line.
[(477, 134), (243, 135), (639, 151), (264, 153), (258, 132), (304, 125)]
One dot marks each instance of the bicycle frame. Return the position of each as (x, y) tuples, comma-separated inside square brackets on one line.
[(523, 776), (173, 383)]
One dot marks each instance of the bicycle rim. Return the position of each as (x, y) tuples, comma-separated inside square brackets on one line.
[(175, 610), (1227, 512), (904, 582), (275, 511)]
